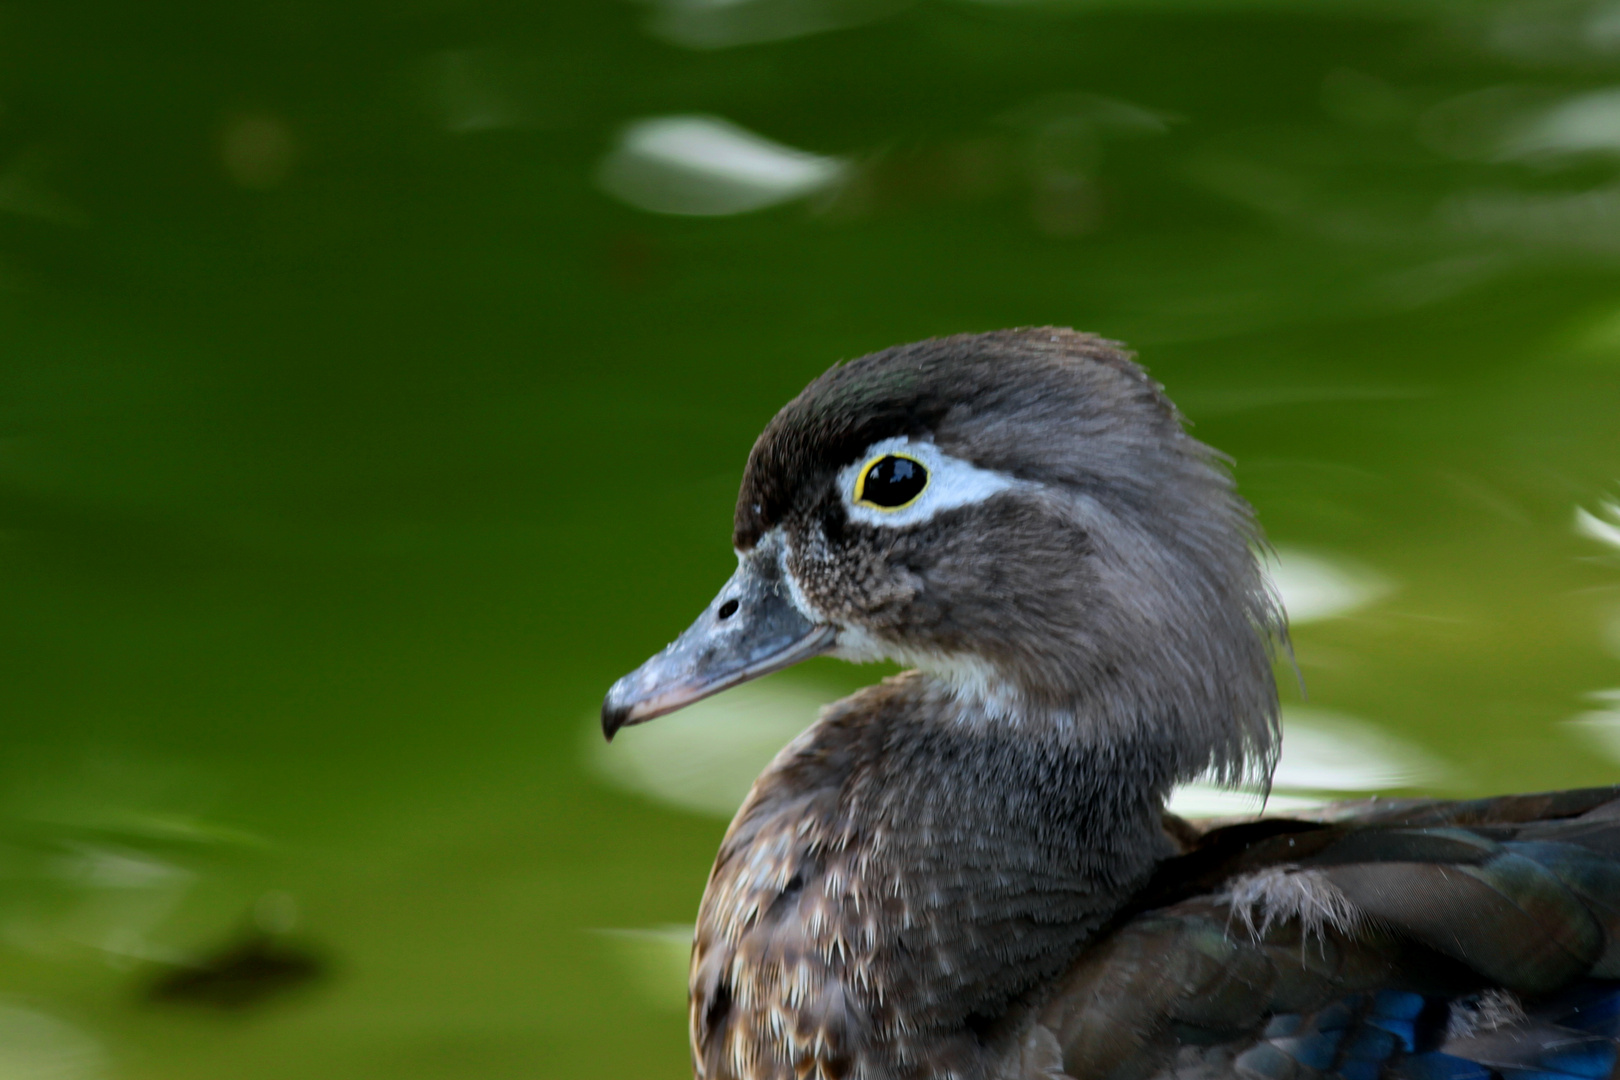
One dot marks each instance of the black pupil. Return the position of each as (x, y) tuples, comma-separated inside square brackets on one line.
[(893, 481)]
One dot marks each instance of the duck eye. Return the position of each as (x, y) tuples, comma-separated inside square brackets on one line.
[(891, 482)]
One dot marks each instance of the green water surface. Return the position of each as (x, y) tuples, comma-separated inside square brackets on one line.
[(357, 428)]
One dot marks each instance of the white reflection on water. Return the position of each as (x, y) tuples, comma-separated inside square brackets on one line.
[(1586, 222), (1207, 800), (97, 858), (1600, 29), (113, 899), (718, 24), (1314, 587), (1328, 751), (1583, 124), (1600, 727), (1605, 529), (654, 959), (35, 1046), (97, 867), (1552, 33), (1478, 125), (1324, 755), (707, 166), (706, 757)]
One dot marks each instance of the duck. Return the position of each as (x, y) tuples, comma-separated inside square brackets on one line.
[(968, 872)]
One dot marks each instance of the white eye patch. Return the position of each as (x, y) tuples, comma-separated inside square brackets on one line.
[(900, 482)]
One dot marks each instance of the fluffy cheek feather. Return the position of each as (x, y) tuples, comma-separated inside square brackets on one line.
[(855, 585), (992, 598)]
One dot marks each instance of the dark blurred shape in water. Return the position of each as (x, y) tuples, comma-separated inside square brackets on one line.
[(247, 973)]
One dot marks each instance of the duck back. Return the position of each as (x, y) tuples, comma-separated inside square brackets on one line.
[(1414, 940)]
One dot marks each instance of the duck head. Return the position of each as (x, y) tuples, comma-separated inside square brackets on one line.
[(1020, 515)]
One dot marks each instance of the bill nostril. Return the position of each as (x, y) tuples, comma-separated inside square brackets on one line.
[(727, 609)]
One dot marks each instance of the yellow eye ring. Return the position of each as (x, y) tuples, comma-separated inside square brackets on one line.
[(891, 482)]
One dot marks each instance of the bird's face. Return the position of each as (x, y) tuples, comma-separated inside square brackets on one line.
[(1019, 514), (906, 552), (915, 552)]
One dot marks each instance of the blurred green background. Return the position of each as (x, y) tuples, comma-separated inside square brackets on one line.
[(375, 381)]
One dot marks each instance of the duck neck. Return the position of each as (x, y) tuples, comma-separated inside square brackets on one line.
[(925, 868), (1051, 794)]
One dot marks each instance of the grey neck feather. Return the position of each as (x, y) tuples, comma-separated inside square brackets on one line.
[(1030, 838), (1052, 792), (970, 861)]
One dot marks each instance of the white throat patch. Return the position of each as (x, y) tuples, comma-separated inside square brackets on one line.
[(952, 482)]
